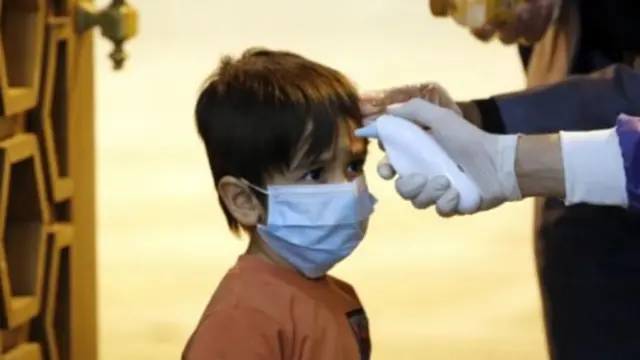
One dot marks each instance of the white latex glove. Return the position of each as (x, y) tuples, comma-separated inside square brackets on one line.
[(374, 103), (489, 160)]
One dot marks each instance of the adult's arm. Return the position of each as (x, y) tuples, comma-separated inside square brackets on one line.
[(583, 102), (600, 167)]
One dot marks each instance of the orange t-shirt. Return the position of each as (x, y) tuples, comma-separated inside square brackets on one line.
[(262, 311)]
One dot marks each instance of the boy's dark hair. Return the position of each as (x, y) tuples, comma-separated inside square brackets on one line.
[(256, 113)]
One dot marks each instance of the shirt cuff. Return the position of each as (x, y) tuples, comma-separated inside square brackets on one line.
[(593, 168), (492, 121), (628, 130)]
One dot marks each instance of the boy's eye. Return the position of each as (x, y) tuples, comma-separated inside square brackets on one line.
[(314, 175), (356, 166)]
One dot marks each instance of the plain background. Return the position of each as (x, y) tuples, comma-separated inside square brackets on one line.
[(434, 289)]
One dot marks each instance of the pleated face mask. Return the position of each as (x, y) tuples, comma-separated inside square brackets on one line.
[(313, 227)]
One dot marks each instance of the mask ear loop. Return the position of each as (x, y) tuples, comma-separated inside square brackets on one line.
[(254, 187), (261, 191)]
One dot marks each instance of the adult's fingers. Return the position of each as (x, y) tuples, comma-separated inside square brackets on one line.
[(370, 105), (384, 169), (374, 102), (404, 93), (435, 188), (436, 94), (447, 204), (370, 110), (409, 187)]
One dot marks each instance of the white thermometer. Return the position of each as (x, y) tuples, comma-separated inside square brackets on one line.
[(411, 150)]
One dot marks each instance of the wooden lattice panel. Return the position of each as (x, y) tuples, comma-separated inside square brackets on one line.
[(27, 351), (22, 28), (51, 328), (50, 119), (36, 191), (24, 217)]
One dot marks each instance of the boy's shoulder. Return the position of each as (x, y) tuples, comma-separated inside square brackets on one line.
[(256, 301), (254, 284), (251, 286), (344, 286)]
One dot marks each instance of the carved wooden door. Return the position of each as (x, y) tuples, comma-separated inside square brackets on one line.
[(47, 216)]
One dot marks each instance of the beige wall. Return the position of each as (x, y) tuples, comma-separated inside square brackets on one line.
[(435, 289)]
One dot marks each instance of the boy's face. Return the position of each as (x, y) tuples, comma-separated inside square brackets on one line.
[(342, 163)]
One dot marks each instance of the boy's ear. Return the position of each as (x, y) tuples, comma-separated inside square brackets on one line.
[(240, 200)]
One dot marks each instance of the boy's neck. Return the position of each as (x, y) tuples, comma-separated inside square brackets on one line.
[(258, 248)]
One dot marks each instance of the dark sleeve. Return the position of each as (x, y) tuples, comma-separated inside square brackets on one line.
[(234, 334), (584, 102)]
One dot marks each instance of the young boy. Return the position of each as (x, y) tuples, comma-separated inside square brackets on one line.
[(278, 130)]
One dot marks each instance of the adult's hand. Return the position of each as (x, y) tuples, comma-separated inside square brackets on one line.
[(530, 23), (489, 160), (376, 102)]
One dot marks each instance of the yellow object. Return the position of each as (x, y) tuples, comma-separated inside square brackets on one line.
[(118, 23), (48, 260), (475, 13)]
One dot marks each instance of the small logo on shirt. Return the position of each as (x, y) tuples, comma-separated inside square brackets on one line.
[(360, 326)]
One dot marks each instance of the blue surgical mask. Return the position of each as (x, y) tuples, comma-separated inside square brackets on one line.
[(313, 227)]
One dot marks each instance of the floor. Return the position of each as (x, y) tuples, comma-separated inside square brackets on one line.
[(435, 289)]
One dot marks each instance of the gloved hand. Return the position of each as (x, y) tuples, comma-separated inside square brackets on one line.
[(489, 160), (374, 103)]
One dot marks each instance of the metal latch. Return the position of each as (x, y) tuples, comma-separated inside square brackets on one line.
[(118, 22)]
